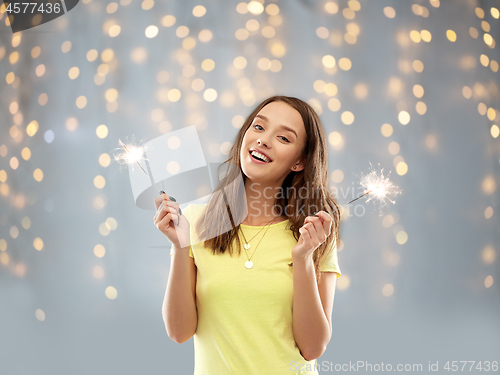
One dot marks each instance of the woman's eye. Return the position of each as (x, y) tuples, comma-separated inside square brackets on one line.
[(282, 137)]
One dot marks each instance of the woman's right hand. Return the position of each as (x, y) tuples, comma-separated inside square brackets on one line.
[(166, 219)]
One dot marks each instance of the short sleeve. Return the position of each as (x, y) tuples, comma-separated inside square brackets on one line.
[(331, 263), (187, 211)]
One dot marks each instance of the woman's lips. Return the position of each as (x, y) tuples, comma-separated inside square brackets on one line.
[(255, 160)]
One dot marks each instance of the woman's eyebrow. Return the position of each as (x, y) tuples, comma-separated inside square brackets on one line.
[(281, 126)]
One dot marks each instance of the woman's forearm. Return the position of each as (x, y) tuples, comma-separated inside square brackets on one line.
[(179, 305), (310, 325)]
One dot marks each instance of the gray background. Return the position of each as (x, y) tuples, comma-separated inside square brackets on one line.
[(440, 309)]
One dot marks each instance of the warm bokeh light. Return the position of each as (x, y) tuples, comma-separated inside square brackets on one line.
[(111, 223), (38, 174), (328, 61), (331, 7), (43, 99), (102, 131), (272, 9), (387, 290), (347, 117), (38, 244), (99, 250), (14, 163), (74, 72), (111, 292), (386, 130), (334, 104), (26, 153), (114, 31), (174, 95), (421, 108), (199, 11), (255, 7), (430, 141), (494, 130), (92, 55), (489, 185), (336, 140), (151, 31), (401, 237), (322, 32), (337, 176), (418, 91), (40, 315), (208, 65), (389, 12), (81, 102), (173, 167), (99, 182), (488, 281), (388, 221), (168, 20), (98, 272), (71, 124), (394, 148), (345, 63), (488, 255), (451, 35), (343, 282), (466, 92), (104, 160), (26, 222), (404, 117), (401, 168)]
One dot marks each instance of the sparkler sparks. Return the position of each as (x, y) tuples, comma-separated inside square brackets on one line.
[(380, 188), (134, 154)]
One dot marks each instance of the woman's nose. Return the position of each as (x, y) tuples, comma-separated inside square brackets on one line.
[(261, 142)]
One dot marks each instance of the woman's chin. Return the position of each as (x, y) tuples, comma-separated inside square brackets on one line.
[(253, 174)]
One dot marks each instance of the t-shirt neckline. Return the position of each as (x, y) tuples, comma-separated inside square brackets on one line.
[(263, 226)]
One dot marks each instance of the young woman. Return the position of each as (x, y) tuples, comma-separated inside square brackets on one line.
[(266, 308)]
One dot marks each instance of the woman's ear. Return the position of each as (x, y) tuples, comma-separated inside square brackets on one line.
[(300, 165)]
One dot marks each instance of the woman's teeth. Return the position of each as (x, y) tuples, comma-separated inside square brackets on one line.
[(260, 156)]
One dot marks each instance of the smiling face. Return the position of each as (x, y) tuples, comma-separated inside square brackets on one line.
[(277, 132)]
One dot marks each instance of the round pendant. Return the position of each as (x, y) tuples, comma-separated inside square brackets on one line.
[(248, 264), (246, 246)]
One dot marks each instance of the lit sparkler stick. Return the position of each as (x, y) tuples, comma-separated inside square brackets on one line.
[(380, 187), (134, 154), (361, 196)]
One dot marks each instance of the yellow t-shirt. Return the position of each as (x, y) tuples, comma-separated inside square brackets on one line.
[(245, 315)]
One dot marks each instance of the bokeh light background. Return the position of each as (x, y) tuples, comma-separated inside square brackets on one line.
[(412, 85)]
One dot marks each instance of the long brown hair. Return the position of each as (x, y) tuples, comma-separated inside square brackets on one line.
[(224, 207)]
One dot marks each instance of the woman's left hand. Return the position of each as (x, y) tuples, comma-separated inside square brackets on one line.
[(313, 233)]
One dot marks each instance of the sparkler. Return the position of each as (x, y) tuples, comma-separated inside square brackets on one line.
[(379, 186), (134, 154)]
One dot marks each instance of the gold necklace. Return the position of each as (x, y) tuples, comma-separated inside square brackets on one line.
[(247, 243), (249, 263)]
